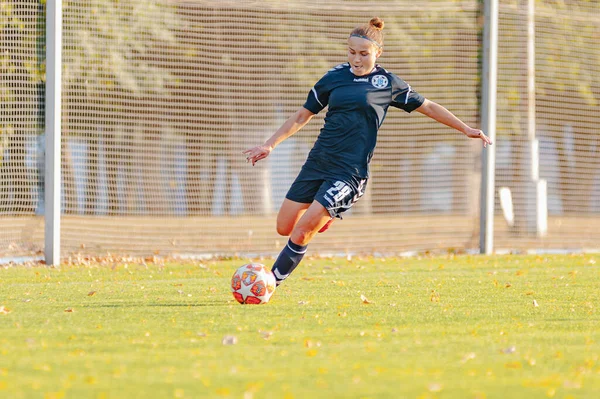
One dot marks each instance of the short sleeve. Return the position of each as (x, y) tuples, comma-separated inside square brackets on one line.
[(404, 97), (318, 97)]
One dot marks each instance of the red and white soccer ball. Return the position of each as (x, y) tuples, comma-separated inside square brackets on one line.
[(252, 283)]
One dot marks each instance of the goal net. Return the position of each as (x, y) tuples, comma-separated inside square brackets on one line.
[(160, 98)]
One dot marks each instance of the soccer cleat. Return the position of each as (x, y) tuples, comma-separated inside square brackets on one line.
[(326, 226)]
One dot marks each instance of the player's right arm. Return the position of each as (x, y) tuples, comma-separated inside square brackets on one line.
[(316, 100), (294, 123)]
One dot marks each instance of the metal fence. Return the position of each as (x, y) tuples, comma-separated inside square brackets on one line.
[(161, 97)]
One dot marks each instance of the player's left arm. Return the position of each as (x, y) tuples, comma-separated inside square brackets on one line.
[(439, 113)]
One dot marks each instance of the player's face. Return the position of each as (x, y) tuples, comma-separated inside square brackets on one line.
[(362, 55)]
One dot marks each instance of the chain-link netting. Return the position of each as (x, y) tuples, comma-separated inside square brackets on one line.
[(161, 102), (160, 98), (21, 126), (567, 91)]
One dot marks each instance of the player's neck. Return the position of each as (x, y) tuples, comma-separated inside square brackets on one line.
[(370, 72)]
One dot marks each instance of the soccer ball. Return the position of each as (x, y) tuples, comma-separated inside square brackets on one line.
[(252, 283)]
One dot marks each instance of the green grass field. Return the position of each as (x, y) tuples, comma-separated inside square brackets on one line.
[(433, 327)]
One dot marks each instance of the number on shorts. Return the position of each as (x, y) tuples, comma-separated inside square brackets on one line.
[(342, 190)]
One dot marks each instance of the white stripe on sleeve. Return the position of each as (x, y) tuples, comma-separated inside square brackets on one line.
[(317, 97)]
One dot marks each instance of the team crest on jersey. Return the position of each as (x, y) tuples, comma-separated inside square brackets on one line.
[(379, 81)]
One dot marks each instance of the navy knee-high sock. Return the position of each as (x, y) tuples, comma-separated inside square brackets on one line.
[(287, 260)]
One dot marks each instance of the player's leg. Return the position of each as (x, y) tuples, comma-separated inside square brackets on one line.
[(313, 219), (333, 197), (298, 198), (294, 209), (289, 214)]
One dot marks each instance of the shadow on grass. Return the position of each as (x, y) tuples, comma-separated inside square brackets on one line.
[(158, 305)]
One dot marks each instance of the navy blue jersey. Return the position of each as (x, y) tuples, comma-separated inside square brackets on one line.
[(357, 108)]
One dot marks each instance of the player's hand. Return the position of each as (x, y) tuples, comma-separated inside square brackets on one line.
[(257, 153), (478, 134)]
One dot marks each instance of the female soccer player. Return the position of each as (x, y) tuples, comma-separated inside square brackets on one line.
[(335, 173)]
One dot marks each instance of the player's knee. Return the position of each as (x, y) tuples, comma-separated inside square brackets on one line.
[(284, 229), (301, 236)]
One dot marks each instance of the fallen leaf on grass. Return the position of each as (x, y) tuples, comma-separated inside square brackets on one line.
[(572, 384), (90, 380), (312, 352), (69, 310), (91, 293), (364, 299), (229, 340), (435, 387), (513, 365), (310, 344), (54, 395), (468, 356)]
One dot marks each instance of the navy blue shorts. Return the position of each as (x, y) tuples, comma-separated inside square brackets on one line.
[(337, 193)]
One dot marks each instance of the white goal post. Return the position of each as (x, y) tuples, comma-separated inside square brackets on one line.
[(53, 131)]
